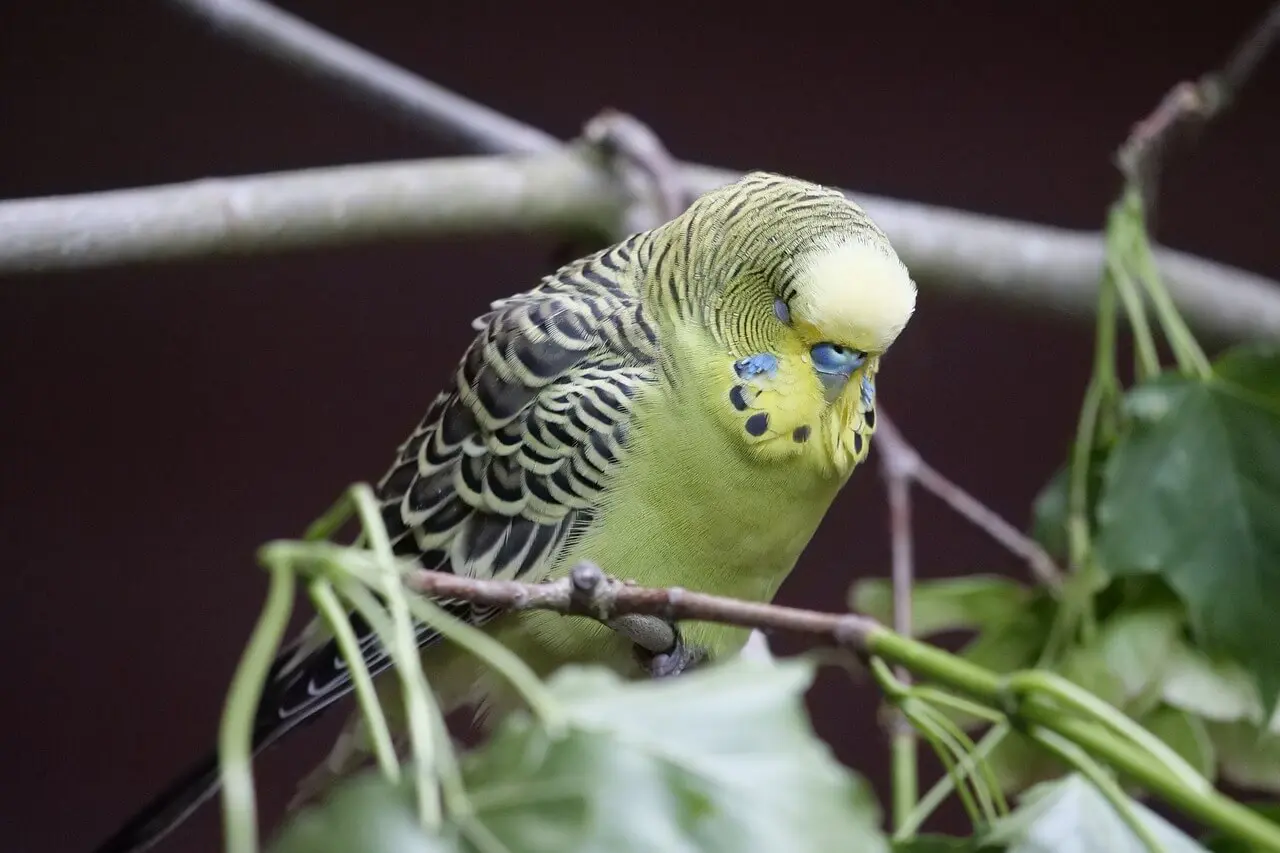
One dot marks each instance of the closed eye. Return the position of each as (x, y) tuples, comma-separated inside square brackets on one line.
[(835, 358)]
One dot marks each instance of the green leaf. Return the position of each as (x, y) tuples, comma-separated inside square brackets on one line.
[(1049, 515), (1248, 756), (365, 813), (1136, 645), (950, 604), (1218, 690), (1192, 493), (721, 759), (1070, 816), (1187, 735)]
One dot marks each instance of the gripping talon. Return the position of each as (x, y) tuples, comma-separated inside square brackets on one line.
[(674, 661)]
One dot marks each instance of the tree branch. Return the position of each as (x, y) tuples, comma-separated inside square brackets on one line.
[(290, 210), (1189, 106), (905, 461), (1038, 265), (588, 591), (368, 78)]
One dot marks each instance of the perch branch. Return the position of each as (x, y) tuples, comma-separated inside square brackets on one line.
[(368, 78), (588, 591), (1039, 265)]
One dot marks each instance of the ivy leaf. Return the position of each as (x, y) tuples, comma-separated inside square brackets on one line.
[(1215, 689), (949, 604), (717, 761), (1070, 816), (1192, 493), (365, 813), (1136, 645), (1247, 755), (722, 759)]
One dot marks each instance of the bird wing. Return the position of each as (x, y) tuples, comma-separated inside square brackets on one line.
[(509, 462)]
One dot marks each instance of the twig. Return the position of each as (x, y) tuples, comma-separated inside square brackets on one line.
[(369, 78), (1048, 267), (587, 591), (643, 167), (890, 442), (1189, 106), (898, 463)]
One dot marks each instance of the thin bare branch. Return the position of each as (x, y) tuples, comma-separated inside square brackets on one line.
[(589, 592), (1047, 267), (370, 79), (890, 442), (1189, 106)]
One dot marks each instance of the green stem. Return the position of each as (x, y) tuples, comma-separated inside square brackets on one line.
[(905, 764), (331, 522), (235, 734), (326, 602), (1210, 807), (1085, 703), (1148, 360), (942, 789), (928, 730), (420, 703), (1080, 760), (983, 782), (1191, 358)]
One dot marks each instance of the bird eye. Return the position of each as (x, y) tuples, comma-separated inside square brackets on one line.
[(835, 358), (782, 311)]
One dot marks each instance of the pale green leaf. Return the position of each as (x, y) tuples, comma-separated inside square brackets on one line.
[(1136, 645), (721, 759), (1192, 493), (365, 813), (1247, 756), (1218, 690), (1069, 815), (949, 604)]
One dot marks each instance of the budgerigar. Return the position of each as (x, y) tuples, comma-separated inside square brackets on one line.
[(680, 409)]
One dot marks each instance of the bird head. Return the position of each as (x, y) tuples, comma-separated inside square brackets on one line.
[(786, 267)]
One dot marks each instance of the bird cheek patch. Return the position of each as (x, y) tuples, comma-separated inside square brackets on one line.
[(761, 364)]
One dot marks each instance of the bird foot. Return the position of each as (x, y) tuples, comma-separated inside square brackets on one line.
[(674, 661)]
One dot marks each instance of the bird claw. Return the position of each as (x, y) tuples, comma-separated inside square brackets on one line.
[(674, 661)]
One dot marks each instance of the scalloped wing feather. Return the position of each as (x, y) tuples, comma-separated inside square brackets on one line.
[(510, 461)]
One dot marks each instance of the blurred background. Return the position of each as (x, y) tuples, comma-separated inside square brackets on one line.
[(159, 423)]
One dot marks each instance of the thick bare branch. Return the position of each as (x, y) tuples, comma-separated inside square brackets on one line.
[(372, 80), (549, 192), (1033, 264)]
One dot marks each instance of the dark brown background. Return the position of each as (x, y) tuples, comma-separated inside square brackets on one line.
[(159, 423)]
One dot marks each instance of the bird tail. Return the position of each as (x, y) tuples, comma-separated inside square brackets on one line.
[(163, 814)]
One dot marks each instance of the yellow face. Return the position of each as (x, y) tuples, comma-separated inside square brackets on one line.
[(812, 395)]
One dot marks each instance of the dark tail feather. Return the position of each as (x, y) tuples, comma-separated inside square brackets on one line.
[(155, 820)]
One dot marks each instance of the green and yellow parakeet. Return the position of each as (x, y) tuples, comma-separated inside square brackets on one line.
[(680, 409)]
